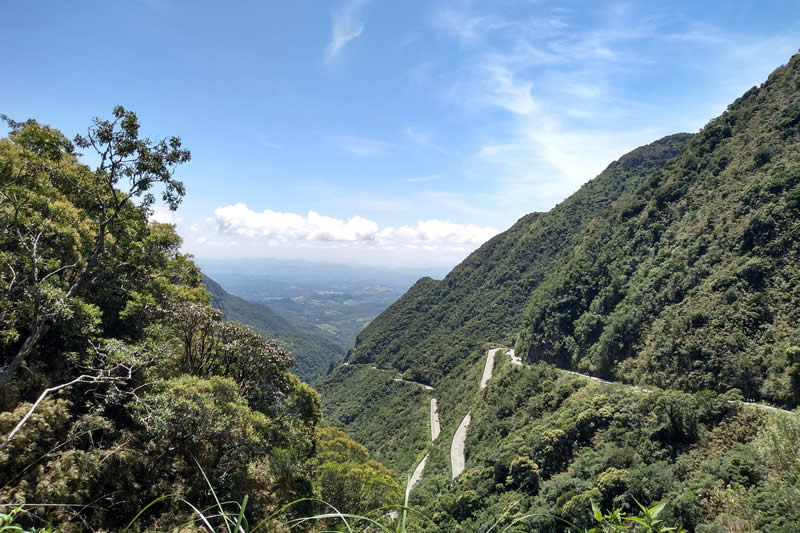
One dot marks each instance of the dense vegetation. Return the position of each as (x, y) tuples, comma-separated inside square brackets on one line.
[(548, 444), (435, 332), (119, 383), (313, 354), (691, 280), (675, 270)]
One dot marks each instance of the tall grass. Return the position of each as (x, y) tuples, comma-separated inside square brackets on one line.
[(230, 517)]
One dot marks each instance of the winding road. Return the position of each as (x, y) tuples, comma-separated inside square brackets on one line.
[(401, 380), (457, 446), (459, 438), (417, 475), (488, 366), (435, 430), (457, 456)]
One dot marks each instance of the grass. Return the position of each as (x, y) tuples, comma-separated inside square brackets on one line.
[(229, 516)]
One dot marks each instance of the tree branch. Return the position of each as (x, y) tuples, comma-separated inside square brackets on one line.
[(80, 379)]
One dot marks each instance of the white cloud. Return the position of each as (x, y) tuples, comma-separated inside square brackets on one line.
[(240, 220), (418, 136), (424, 139), (505, 93), (466, 26), (273, 227), (570, 97), (346, 25), (164, 215)]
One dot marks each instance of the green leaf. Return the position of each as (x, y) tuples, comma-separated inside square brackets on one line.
[(656, 509)]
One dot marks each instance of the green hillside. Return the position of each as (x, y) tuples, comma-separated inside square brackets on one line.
[(692, 281), (436, 323), (676, 270), (435, 332), (312, 354)]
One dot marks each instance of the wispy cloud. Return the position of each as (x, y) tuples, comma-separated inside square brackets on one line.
[(417, 136), (466, 25), (508, 93), (558, 90), (346, 25), (362, 146), (263, 140)]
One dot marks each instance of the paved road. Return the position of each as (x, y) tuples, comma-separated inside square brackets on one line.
[(488, 366), (457, 446), (435, 430), (426, 387), (417, 475), (642, 389), (457, 459)]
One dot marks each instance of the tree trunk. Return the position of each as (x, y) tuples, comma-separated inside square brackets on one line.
[(27, 347)]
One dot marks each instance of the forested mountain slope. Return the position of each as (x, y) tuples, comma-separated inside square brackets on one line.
[(312, 354), (680, 270), (435, 333), (430, 328), (692, 280)]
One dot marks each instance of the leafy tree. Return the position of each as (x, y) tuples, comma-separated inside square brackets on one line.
[(61, 221), (347, 479)]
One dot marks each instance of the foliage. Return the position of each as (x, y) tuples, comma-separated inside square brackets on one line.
[(151, 387), (8, 522), (699, 289), (372, 406), (346, 479), (674, 271)]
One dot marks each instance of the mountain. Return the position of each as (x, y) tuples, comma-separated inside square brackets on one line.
[(313, 354), (436, 322), (675, 275), (434, 333), (692, 280)]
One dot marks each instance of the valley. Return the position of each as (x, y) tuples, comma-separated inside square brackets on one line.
[(324, 299), (427, 283)]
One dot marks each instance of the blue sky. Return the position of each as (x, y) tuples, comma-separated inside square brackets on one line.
[(399, 133)]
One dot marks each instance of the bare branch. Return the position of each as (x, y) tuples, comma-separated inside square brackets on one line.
[(56, 271), (79, 379)]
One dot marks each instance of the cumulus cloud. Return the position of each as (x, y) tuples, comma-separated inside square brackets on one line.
[(164, 215), (346, 25), (279, 227)]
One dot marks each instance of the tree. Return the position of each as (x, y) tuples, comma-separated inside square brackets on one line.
[(347, 479), (211, 346), (60, 220)]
